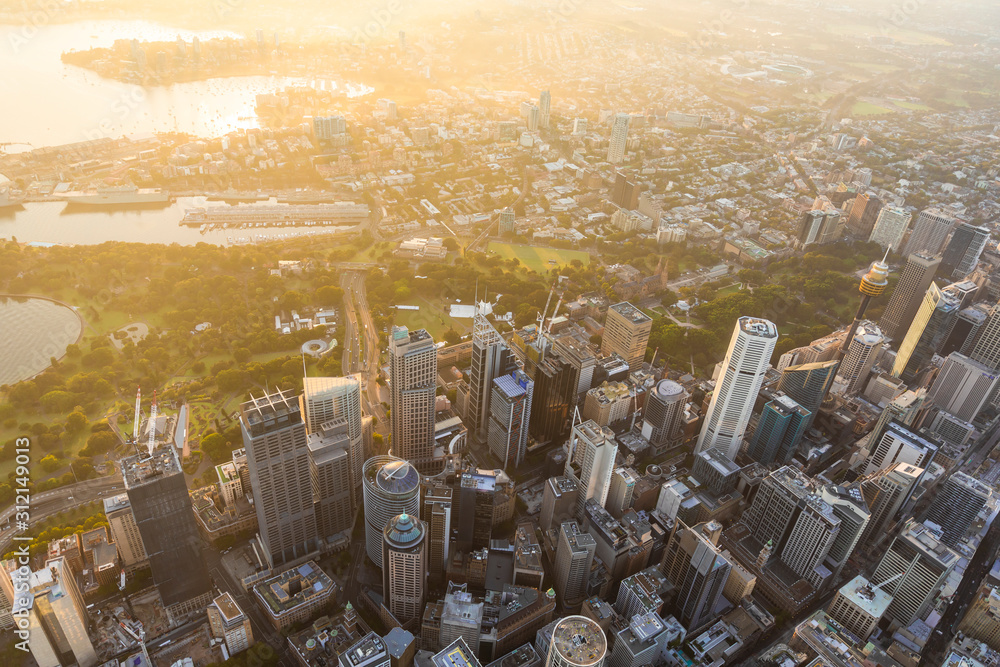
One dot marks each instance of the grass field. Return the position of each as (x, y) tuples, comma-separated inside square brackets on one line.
[(868, 109), (536, 258), (433, 316)]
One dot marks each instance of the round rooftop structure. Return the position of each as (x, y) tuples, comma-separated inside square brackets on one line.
[(391, 488), (577, 641), (668, 390), (403, 532)]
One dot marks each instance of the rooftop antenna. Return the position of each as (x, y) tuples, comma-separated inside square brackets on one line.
[(151, 443), (138, 412)]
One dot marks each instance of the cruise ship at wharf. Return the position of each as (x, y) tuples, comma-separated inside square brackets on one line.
[(344, 214)]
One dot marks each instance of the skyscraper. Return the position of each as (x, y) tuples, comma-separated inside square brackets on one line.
[(57, 617), (125, 532), (510, 412), (849, 506), (900, 444), (404, 567), (781, 425), (437, 511), (161, 505), (413, 383), (924, 562), (555, 391), (963, 386), (574, 556), (274, 436), (962, 253), (534, 118), (926, 333), (864, 213), (507, 218), (590, 461), (861, 354), (330, 475), (545, 108), (907, 295), (338, 400), (619, 137), (746, 362), (626, 333), (929, 232), (987, 347), (808, 384), (663, 418), (885, 492), (694, 564), (491, 358), (623, 481), (890, 227), (957, 505), (859, 606), (391, 488)]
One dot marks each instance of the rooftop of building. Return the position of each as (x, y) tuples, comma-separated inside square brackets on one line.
[(116, 503), (324, 640), (578, 540), (804, 489), (512, 386), (397, 641), (611, 392), (928, 542), (273, 410), (227, 472), (369, 650), (227, 607), (873, 601), (294, 587), (403, 336), (719, 462), (970, 482), (786, 405), (393, 476), (519, 657), (579, 640), (455, 654), (562, 484), (142, 469), (758, 327), (630, 312), (404, 531)]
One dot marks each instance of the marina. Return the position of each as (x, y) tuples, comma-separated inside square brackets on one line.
[(344, 216)]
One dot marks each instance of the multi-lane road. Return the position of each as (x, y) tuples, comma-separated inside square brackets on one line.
[(361, 344)]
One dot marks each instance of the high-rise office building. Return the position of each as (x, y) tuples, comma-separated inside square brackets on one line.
[(663, 418), (625, 193), (788, 512), (957, 505), (924, 562), (885, 493), (626, 333), (337, 400), (962, 253), (781, 425), (555, 391), (987, 347), (808, 384), (929, 231), (507, 218), (125, 532), (545, 109), (906, 297), (579, 126), (714, 471), (574, 556), (330, 475), (274, 436), (926, 334), (534, 118), (413, 383), (162, 509), (849, 506), (581, 358), (619, 138), (491, 358), (963, 386), (890, 227), (864, 213), (558, 501), (577, 641), (437, 512), (510, 412), (461, 616), (746, 362), (640, 643), (899, 444), (404, 567), (693, 562), (57, 617), (965, 332), (590, 461), (858, 606), (861, 354), (391, 488), (623, 481)]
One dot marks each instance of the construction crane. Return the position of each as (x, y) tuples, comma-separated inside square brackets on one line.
[(137, 416), (151, 443)]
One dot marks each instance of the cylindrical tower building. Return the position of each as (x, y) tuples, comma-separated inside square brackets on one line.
[(391, 488), (404, 567), (577, 641), (664, 414)]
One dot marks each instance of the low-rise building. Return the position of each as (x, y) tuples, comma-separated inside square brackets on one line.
[(295, 595)]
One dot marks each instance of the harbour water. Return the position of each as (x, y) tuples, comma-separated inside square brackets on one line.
[(58, 103), (55, 222), (32, 331)]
